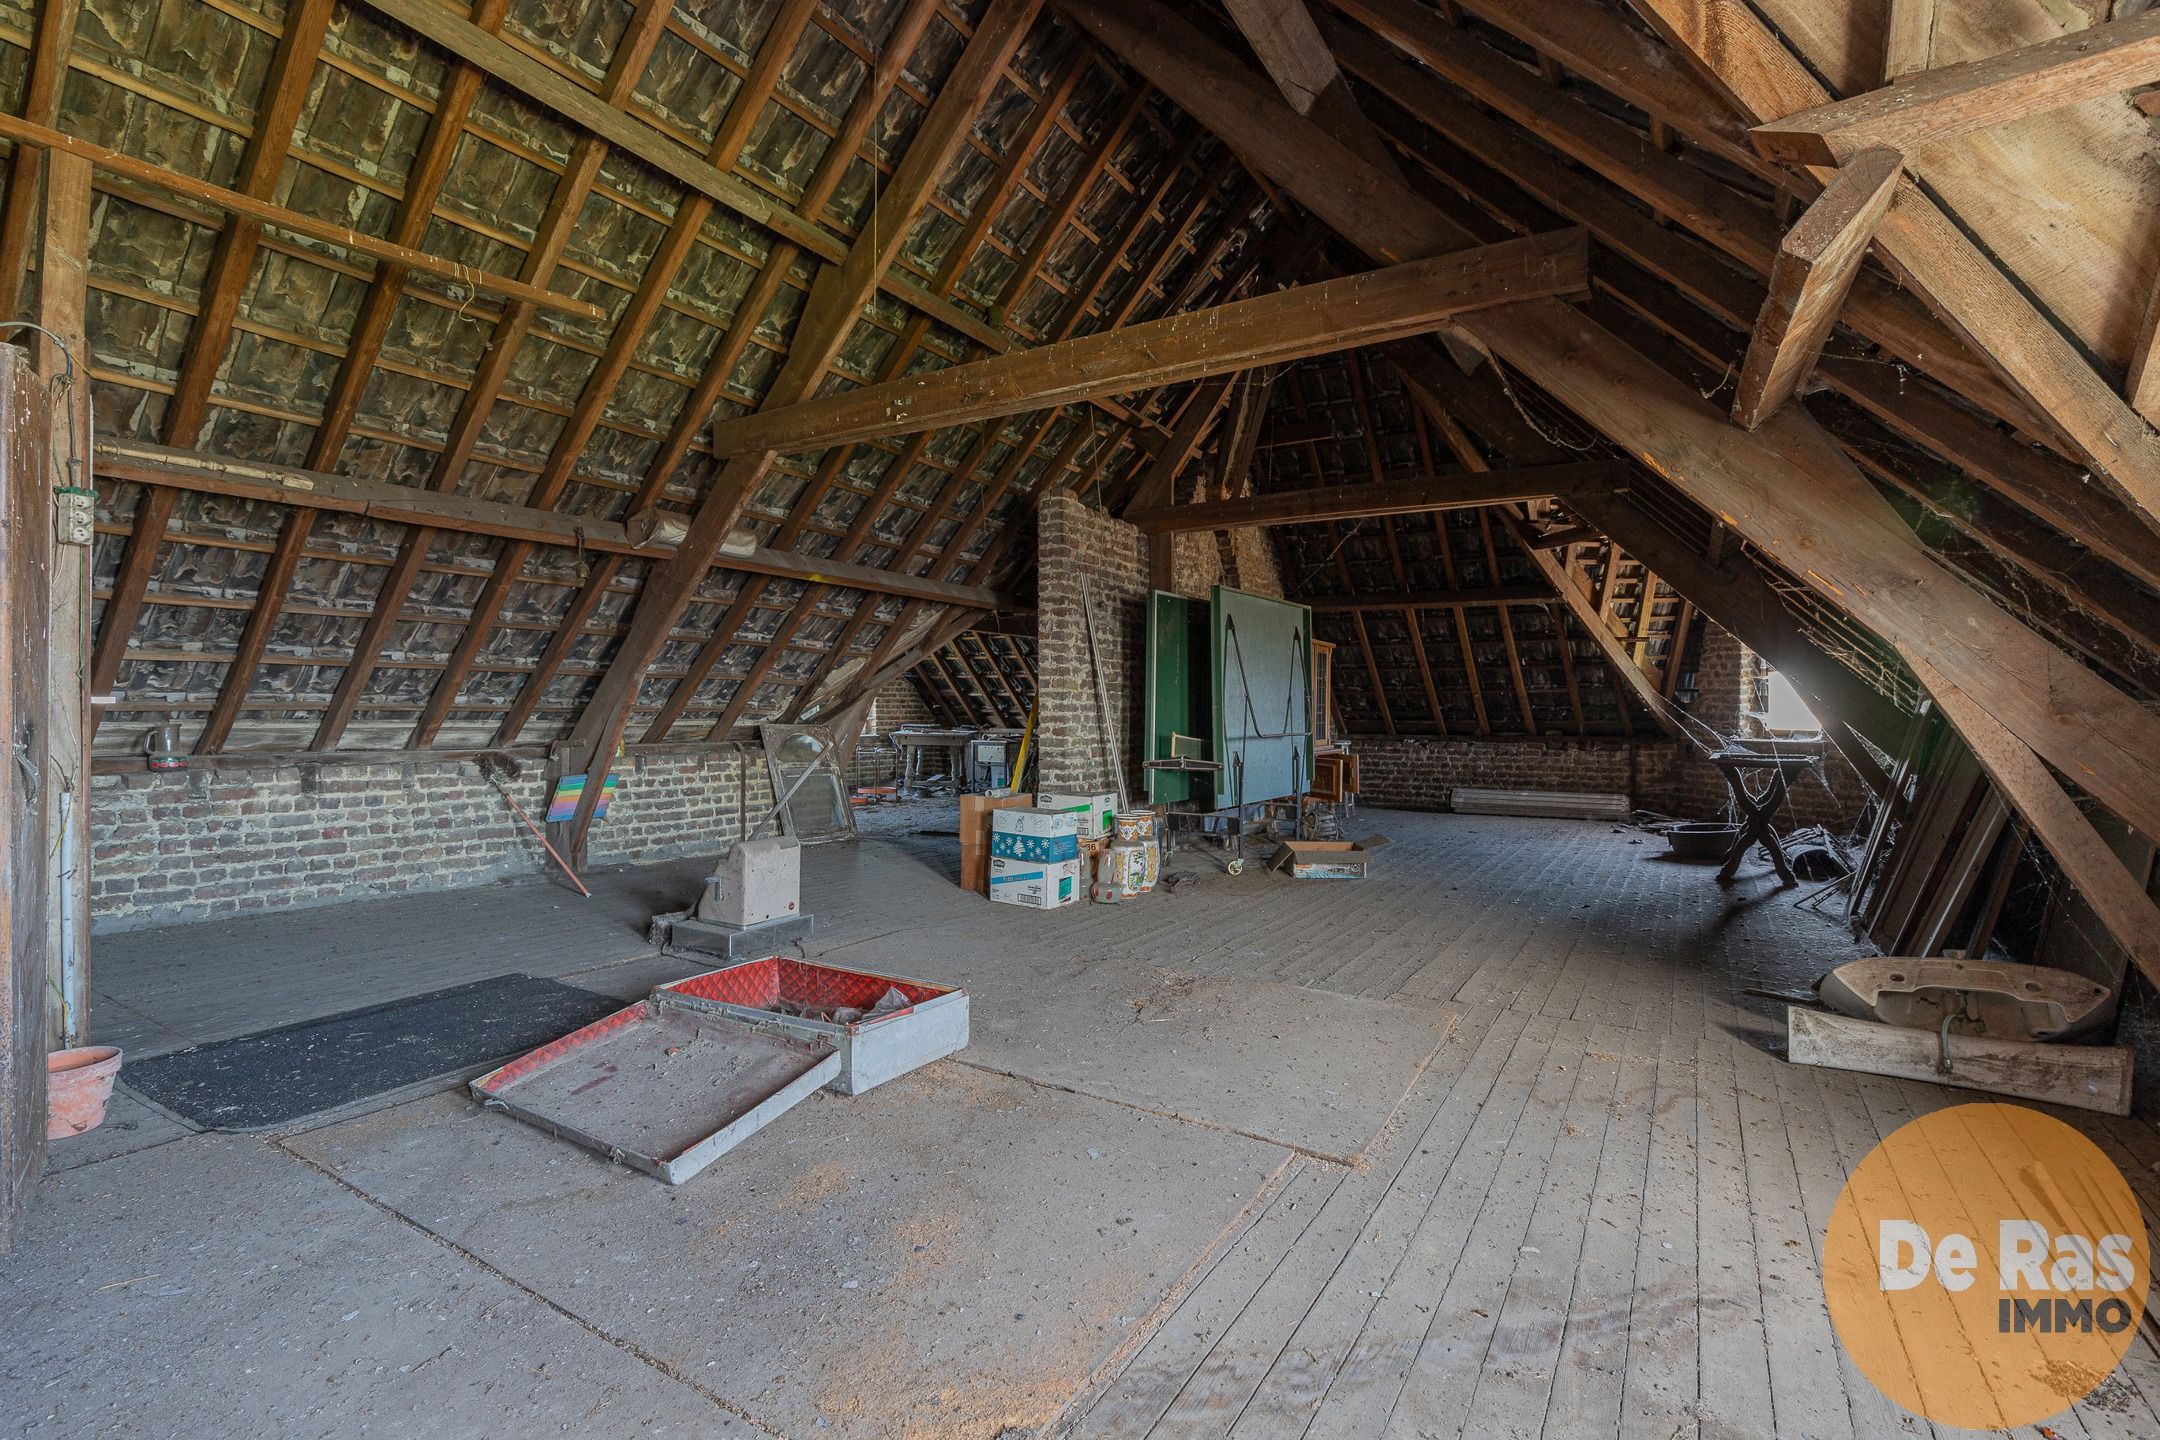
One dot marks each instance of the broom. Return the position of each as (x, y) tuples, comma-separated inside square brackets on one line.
[(493, 768)]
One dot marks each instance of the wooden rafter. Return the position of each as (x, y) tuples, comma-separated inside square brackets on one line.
[(1786, 488), (445, 127), (51, 43), (1727, 587), (1614, 158), (836, 299), (629, 327), (1942, 104), (2052, 488), (232, 260), (1960, 283), (551, 238), (1291, 49), (164, 468), (457, 280)]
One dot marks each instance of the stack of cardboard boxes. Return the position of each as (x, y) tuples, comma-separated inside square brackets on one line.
[(1035, 857)]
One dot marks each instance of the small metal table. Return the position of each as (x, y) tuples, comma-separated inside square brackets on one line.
[(1185, 818), (911, 744), (1754, 810)]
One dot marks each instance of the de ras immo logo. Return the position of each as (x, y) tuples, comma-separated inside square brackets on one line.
[(1987, 1266)]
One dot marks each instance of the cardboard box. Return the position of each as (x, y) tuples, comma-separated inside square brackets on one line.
[(1326, 859), (1036, 885), (1045, 836), (1099, 812), (975, 813)]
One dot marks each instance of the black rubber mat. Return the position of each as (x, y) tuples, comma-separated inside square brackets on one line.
[(275, 1077)]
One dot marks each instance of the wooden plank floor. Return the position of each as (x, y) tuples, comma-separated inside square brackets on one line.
[(1597, 1210)]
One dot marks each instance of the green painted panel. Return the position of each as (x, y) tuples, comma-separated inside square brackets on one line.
[(1178, 690), (1262, 693)]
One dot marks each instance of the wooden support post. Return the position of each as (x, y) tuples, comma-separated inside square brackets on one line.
[(50, 45), (63, 294), (1815, 269), (1908, 39), (26, 544)]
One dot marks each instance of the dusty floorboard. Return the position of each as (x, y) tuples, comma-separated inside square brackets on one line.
[(1585, 1195)]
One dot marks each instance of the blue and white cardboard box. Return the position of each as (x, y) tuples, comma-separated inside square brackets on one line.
[(1031, 883), (1097, 813), (1040, 836)]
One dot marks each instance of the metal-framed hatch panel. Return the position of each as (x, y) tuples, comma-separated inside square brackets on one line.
[(659, 1086)]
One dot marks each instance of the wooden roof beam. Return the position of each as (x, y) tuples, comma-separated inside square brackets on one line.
[(1787, 488), (1816, 266), (51, 45), (1924, 109), (1908, 39), (1371, 308), (1297, 59), (2049, 486), (232, 261), (1476, 595), (1386, 497), (2118, 897), (1961, 283), (1612, 158), (550, 89), (452, 275), (161, 467), (1157, 483)]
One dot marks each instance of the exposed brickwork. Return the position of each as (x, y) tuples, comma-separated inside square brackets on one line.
[(875, 761), (1659, 774), (1422, 774), (1730, 693), (1242, 559), (1071, 541), (200, 843)]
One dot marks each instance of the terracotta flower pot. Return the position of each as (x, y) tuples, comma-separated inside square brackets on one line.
[(78, 1083)]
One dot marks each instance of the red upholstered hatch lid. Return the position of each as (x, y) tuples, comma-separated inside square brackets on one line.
[(760, 984)]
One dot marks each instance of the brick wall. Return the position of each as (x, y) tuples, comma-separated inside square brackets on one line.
[(876, 761), (1073, 540), (1242, 559), (200, 843), (1729, 682), (1657, 773), (1414, 773)]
